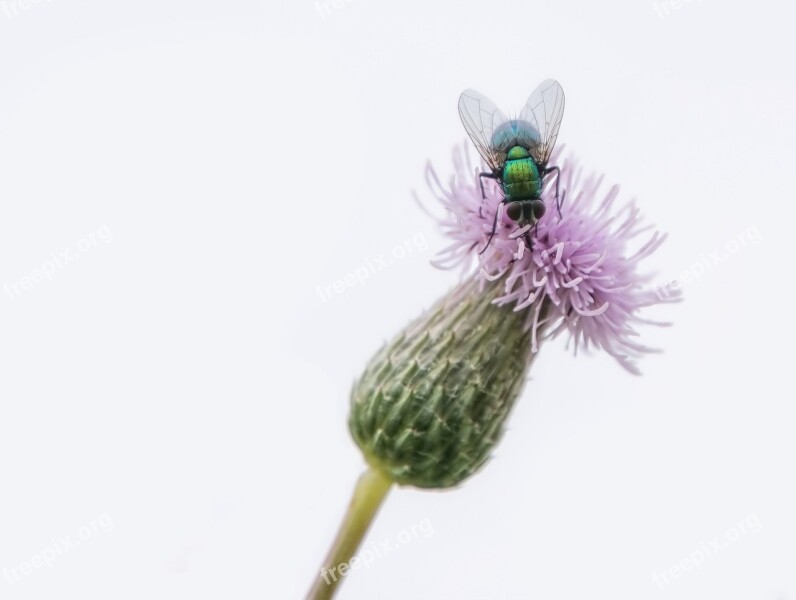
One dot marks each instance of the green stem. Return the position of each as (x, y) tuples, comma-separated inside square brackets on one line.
[(370, 491)]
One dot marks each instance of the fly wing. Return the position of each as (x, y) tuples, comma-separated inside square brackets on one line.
[(480, 118), (544, 111)]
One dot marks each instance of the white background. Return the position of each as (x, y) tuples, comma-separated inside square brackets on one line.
[(184, 379)]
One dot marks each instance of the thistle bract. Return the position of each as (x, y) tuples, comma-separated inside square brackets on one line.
[(432, 403)]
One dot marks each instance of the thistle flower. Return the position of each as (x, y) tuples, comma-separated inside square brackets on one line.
[(432, 404), (581, 269)]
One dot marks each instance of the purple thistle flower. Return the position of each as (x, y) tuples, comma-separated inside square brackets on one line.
[(581, 276)]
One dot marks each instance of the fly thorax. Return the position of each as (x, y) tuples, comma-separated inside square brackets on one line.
[(517, 152)]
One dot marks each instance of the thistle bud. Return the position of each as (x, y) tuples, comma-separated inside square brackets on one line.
[(431, 405)]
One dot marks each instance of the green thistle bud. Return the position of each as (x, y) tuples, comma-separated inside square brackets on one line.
[(431, 405)]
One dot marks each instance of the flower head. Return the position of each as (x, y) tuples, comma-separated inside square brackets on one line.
[(576, 273), (432, 404)]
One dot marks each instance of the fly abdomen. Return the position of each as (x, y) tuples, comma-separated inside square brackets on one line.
[(521, 179)]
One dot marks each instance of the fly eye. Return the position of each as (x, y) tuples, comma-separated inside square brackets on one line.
[(538, 209), (514, 211)]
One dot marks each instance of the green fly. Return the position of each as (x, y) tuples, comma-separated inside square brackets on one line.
[(517, 151)]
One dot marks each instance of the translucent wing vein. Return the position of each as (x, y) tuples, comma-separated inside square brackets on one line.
[(480, 117), (544, 111)]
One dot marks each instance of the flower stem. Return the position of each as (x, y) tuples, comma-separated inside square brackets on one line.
[(369, 493)]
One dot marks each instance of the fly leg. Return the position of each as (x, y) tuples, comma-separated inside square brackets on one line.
[(481, 181), (529, 240), (532, 211), (560, 202), (483, 196), (494, 227)]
